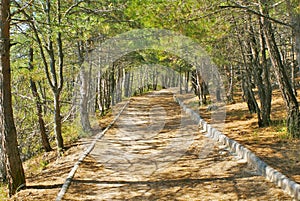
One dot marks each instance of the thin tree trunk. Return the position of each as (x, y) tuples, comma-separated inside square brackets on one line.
[(187, 80), (131, 83), (112, 83), (14, 168), (293, 10), (84, 112), (265, 91), (180, 80), (44, 137), (230, 97), (108, 90), (127, 84), (57, 123), (294, 67)]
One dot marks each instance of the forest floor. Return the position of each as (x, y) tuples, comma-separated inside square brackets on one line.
[(272, 144), (177, 180)]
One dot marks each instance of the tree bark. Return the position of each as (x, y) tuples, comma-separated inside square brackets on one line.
[(229, 94), (84, 112), (112, 83), (127, 84), (292, 8), (200, 87), (3, 175), (57, 122), (187, 80), (14, 168), (265, 89)]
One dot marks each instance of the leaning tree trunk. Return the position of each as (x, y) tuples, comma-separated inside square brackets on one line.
[(14, 168), (292, 108), (44, 137)]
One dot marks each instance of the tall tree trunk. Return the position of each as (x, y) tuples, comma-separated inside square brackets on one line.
[(44, 137), (57, 122), (127, 84), (112, 83), (180, 80), (293, 10), (107, 87), (199, 86), (91, 91), (14, 168), (119, 84), (187, 80), (229, 94), (265, 90), (292, 108), (247, 94), (296, 31), (84, 112), (100, 93), (84, 87), (294, 66)]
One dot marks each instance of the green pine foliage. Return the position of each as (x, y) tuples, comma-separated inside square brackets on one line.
[(91, 22)]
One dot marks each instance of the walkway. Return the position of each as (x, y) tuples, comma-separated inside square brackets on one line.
[(156, 152)]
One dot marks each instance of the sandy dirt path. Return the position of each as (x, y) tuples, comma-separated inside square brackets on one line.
[(156, 152)]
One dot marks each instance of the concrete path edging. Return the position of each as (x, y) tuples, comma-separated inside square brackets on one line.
[(71, 174), (289, 186)]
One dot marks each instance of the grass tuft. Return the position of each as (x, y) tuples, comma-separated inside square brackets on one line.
[(3, 192)]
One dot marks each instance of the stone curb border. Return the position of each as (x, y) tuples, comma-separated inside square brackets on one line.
[(289, 186), (71, 174)]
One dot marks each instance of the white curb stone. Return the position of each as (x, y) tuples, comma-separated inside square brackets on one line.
[(289, 186), (68, 180)]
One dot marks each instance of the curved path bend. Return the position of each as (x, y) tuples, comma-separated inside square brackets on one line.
[(155, 151)]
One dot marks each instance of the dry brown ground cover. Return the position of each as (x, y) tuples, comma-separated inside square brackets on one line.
[(271, 144), (45, 174)]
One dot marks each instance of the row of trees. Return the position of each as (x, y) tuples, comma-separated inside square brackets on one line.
[(267, 56), (48, 70)]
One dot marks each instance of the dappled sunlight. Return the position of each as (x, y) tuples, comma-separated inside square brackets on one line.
[(269, 143), (126, 164)]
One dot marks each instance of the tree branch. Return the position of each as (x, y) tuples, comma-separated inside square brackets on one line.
[(72, 7), (247, 9), (21, 8)]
